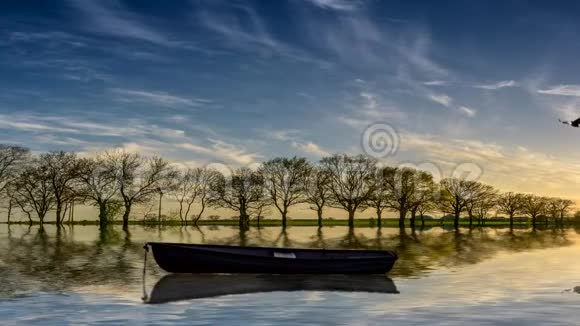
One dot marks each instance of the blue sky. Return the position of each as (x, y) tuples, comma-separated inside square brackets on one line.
[(237, 82)]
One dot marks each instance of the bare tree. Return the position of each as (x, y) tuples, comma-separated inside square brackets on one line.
[(99, 185), (564, 206), (34, 191), (428, 205), (400, 187), (351, 182), (534, 206), (11, 162), (63, 170), (510, 203), (11, 157), (455, 195), (285, 181), (194, 185), (138, 178), (486, 202), (422, 194), (378, 199), (557, 208), (318, 191), (242, 191), (479, 197)]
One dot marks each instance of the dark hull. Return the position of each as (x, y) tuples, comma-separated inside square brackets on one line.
[(176, 287), (191, 258)]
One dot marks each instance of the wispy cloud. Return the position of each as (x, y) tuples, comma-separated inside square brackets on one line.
[(498, 85), (54, 124), (536, 171), (448, 102), (311, 148), (563, 90), (435, 83), (254, 35), (222, 151), (442, 99), (369, 107), (157, 98), (469, 111), (112, 18), (345, 5)]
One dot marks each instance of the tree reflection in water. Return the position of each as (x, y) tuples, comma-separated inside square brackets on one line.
[(33, 259)]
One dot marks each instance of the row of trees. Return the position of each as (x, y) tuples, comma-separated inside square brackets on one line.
[(116, 181)]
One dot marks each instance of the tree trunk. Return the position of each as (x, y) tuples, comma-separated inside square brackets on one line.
[(379, 217), (456, 220), (58, 213), (284, 214), (126, 216), (102, 215), (534, 222), (422, 221), (159, 213), (413, 215), (402, 215), (72, 212), (198, 217), (319, 213), (244, 222), (9, 211), (351, 218)]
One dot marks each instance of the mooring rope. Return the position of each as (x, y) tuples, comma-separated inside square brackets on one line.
[(145, 296)]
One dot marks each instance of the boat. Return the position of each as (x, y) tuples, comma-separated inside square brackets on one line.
[(176, 287), (201, 258)]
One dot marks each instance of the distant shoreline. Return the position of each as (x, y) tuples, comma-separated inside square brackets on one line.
[(298, 222)]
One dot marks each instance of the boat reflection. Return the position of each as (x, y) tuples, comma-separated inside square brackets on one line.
[(175, 287)]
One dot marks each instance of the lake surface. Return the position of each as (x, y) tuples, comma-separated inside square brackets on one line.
[(78, 275)]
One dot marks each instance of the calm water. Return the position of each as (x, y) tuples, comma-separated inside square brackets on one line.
[(490, 276)]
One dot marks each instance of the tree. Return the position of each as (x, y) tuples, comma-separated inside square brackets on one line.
[(194, 185), (510, 203), (34, 191), (99, 185), (138, 178), (485, 203), (318, 191), (534, 206), (351, 182), (558, 208), (422, 194), (455, 194), (242, 191), (479, 199), (427, 205), (400, 183), (11, 159), (63, 170), (378, 199), (285, 181)]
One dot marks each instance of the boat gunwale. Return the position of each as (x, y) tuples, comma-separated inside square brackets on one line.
[(385, 254)]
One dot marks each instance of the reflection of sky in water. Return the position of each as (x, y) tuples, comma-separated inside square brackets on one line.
[(480, 277)]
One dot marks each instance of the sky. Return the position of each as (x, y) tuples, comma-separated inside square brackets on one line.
[(470, 87)]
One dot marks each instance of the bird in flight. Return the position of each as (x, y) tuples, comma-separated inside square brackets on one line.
[(575, 123)]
